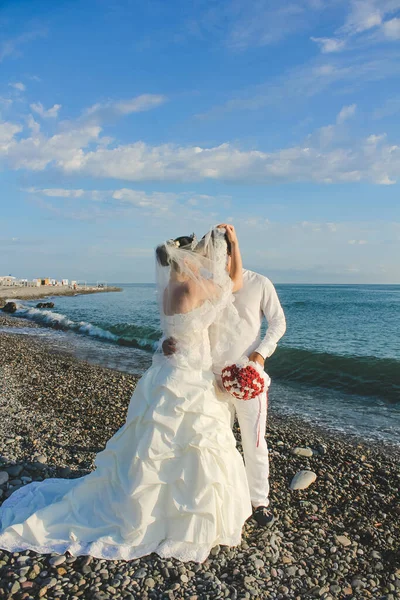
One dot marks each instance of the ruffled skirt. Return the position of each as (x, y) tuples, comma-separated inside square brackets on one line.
[(170, 481)]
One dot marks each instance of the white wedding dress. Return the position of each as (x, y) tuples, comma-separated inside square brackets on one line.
[(170, 481)]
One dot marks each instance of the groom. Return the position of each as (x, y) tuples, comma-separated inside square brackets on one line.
[(255, 300)]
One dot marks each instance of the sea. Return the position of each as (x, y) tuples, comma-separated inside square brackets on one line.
[(338, 365)]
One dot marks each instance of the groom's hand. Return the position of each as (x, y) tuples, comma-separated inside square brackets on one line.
[(257, 358), (169, 346), (230, 232)]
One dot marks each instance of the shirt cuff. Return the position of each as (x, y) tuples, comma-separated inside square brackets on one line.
[(265, 349)]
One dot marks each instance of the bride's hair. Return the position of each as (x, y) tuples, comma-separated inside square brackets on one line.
[(163, 256)]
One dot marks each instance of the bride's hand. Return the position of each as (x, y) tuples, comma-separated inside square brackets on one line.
[(230, 232)]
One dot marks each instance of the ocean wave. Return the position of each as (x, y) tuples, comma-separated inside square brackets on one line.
[(136, 336), (360, 375), (55, 320), (49, 318)]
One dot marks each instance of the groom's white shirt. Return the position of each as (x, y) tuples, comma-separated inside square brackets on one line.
[(255, 300)]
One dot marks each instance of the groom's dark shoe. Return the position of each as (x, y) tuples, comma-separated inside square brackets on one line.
[(263, 516)]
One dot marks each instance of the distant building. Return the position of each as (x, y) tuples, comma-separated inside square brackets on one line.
[(8, 280), (64, 282)]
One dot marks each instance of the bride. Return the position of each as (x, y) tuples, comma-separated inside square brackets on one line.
[(171, 480)]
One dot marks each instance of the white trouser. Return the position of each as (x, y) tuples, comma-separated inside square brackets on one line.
[(252, 424)]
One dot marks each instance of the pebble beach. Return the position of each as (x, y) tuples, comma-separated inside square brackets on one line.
[(337, 539)]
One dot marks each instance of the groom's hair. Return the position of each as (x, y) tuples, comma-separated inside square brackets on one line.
[(228, 244)]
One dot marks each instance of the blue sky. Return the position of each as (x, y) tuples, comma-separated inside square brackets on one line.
[(124, 123)]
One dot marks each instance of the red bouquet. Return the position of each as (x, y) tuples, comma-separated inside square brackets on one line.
[(244, 380)]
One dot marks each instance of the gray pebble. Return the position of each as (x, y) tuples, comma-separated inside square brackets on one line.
[(4, 477), (357, 583), (15, 587), (55, 561), (307, 452), (15, 470), (302, 480), (50, 582), (140, 573)]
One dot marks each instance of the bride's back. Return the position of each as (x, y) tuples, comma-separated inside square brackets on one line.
[(189, 294), (181, 297)]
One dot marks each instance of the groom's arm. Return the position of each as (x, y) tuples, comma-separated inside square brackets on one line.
[(272, 309)]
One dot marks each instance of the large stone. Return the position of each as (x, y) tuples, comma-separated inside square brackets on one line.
[(302, 480), (15, 470), (10, 307), (3, 477), (302, 452), (45, 305)]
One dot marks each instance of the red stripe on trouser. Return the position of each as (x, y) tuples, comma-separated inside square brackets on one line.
[(259, 416)]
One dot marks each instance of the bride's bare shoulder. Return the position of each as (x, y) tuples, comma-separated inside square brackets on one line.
[(180, 298)]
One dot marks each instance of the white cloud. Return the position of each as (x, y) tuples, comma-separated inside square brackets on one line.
[(127, 203), (50, 113), (341, 73), (364, 24), (384, 179), (103, 111), (325, 157), (129, 196), (7, 134), (346, 113), (364, 15), (391, 29), (376, 139), (160, 200), (328, 45), (140, 162), (33, 125), (57, 192), (140, 103), (242, 24), (18, 86), (63, 150), (10, 47)]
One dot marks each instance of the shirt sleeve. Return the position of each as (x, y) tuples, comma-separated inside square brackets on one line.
[(272, 309)]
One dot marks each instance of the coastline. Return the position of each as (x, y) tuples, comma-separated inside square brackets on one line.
[(57, 412), (31, 293)]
